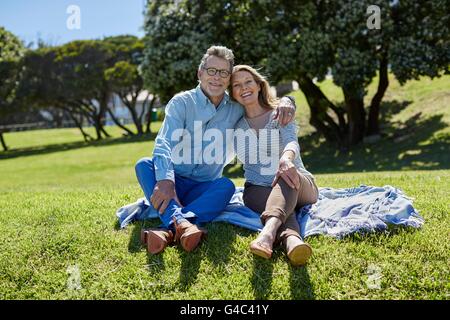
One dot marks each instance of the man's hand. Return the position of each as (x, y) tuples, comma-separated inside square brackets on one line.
[(162, 194), (285, 111), (288, 172)]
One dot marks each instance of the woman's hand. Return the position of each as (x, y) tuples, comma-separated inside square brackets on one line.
[(285, 111), (288, 172)]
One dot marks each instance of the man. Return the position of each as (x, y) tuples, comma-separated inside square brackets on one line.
[(191, 191)]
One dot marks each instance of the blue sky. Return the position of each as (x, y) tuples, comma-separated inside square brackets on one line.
[(47, 19)]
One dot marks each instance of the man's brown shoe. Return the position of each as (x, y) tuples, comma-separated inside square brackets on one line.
[(144, 235), (156, 239), (188, 234)]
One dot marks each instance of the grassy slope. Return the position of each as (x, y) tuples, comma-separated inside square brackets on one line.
[(58, 196)]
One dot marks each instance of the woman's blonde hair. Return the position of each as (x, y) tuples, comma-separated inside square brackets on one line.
[(265, 98)]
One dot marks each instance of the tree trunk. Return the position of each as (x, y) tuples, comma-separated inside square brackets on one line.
[(102, 129), (320, 119), (356, 116), (101, 119), (98, 132), (103, 101), (149, 118), (144, 106), (79, 125), (131, 106), (117, 122), (374, 110), (90, 111), (134, 116), (2, 140)]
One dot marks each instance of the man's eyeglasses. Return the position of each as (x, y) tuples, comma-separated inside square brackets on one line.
[(214, 71)]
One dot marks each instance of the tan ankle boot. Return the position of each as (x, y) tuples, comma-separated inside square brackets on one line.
[(156, 239), (188, 234), (298, 253)]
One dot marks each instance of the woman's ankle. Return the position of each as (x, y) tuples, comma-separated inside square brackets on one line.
[(292, 240), (271, 227)]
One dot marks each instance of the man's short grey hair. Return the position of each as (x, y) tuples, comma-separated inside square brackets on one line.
[(220, 52)]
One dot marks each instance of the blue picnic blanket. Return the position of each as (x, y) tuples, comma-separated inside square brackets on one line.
[(337, 213)]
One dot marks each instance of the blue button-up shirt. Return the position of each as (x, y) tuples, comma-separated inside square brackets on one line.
[(182, 147)]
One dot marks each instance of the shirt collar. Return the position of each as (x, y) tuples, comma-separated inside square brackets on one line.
[(203, 98)]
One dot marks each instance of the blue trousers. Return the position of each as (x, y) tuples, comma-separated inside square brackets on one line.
[(202, 201)]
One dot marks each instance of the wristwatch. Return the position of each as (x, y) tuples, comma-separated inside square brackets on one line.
[(292, 100)]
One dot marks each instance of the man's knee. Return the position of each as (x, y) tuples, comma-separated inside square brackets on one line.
[(226, 184), (143, 164)]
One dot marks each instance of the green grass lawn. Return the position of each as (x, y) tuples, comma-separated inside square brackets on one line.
[(58, 197)]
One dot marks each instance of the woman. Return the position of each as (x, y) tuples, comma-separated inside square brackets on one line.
[(276, 192)]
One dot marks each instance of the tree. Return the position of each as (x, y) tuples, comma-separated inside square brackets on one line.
[(125, 79), (71, 78), (304, 41), (174, 43), (11, 51), (81, 66), (323, 36), (80, 78), (43, 85)]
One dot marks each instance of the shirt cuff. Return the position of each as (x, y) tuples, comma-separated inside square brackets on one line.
[(163, 169), (293, 147)]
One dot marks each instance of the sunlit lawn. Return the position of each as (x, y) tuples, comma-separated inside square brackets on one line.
[(58, 197)]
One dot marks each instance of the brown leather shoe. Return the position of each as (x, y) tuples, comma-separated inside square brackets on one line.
[(144, 235), (188, 234), (156, 239)]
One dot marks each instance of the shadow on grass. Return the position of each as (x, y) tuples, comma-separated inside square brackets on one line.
[(46, 149), (300, 283), (155, 262), (217, 247), (409, 145), (388, 109), (190, 261), (219, 244), (301, 287), (134, 245), (262, 277), (190, 266)]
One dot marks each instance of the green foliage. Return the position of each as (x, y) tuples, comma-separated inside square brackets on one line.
[(122, 75), (11, 48), (175, 41), (62, 75), (80, 76), (11, 51), (302, 40), (420, 43), (82, 66)]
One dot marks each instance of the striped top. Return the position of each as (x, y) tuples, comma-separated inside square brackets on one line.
[(260, 153)]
